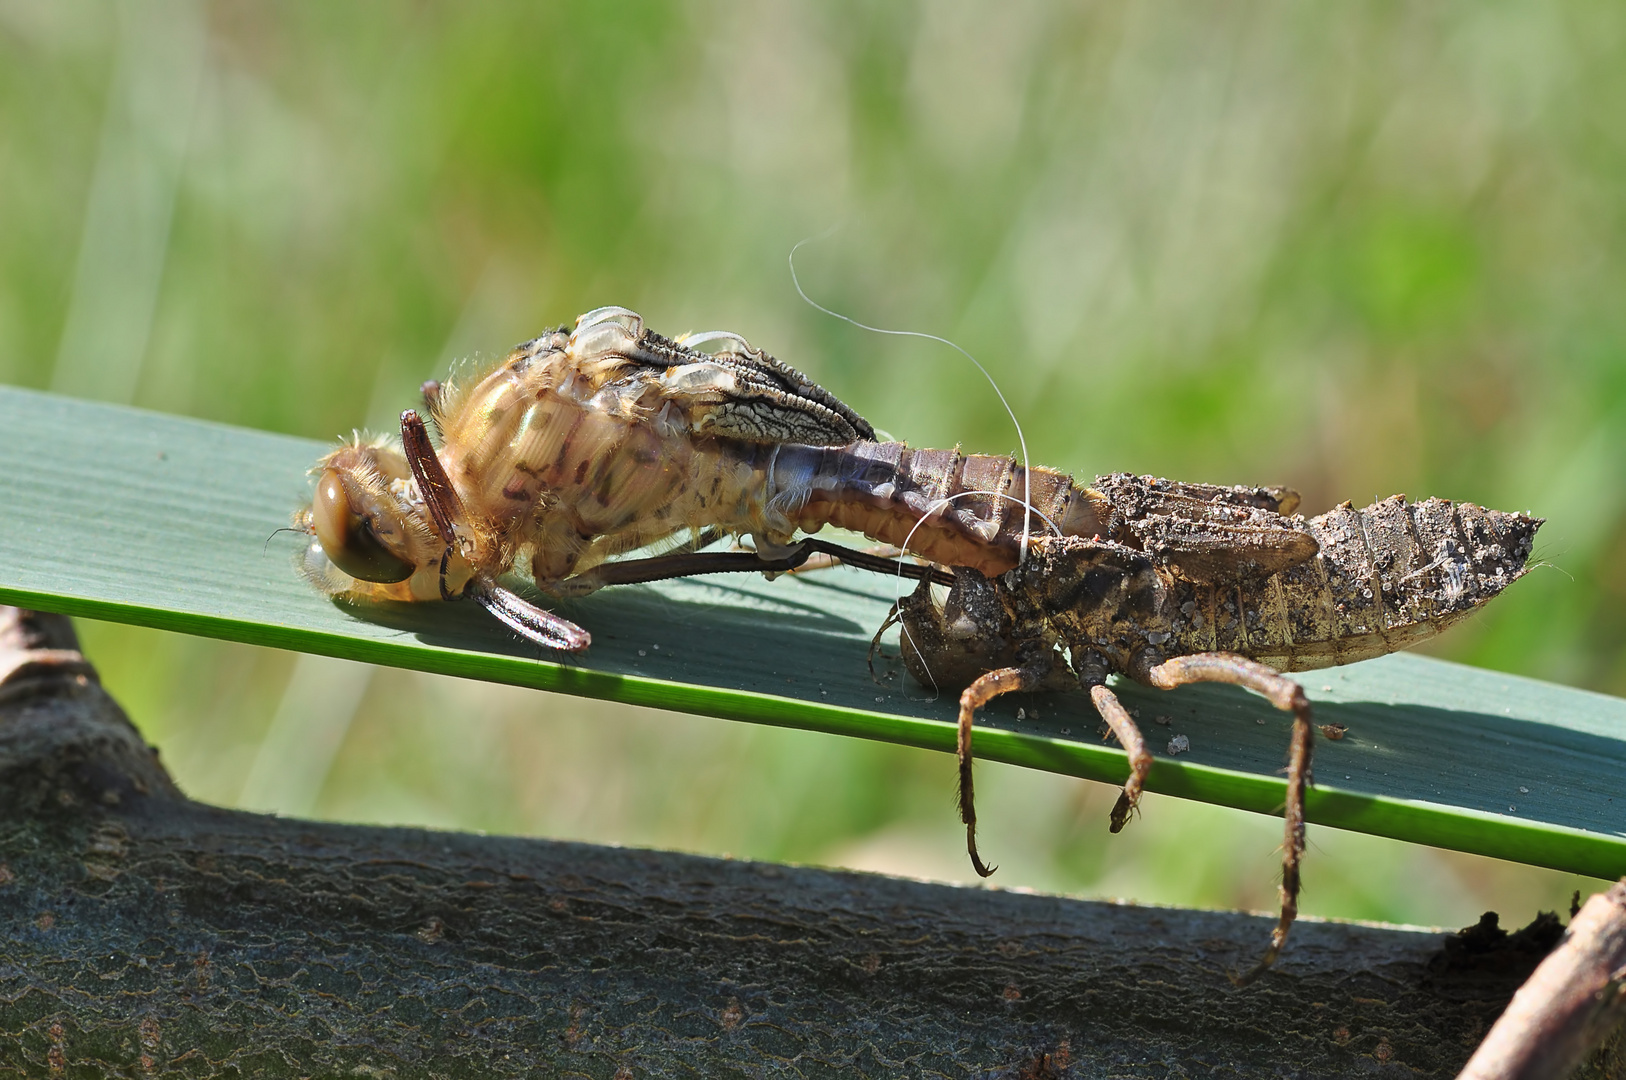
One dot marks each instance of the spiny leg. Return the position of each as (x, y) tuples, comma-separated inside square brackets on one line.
[(1288, 696), (985, 689), (893, 618), (1134, 744)]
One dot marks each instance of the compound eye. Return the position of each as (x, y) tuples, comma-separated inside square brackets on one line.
[(349, 538)]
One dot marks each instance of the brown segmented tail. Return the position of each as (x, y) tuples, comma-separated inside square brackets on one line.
[(952, 508), (1387, 577)]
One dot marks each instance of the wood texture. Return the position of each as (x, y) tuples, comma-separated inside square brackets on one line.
[(142, 934)]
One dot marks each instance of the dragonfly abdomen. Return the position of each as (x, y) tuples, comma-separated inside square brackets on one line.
[(952, 508)]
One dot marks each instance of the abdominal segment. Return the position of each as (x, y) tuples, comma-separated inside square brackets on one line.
[(951, 508)]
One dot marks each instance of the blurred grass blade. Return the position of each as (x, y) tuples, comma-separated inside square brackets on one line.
[(118, 514)]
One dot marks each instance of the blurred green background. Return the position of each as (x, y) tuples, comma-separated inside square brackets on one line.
[(1359, 250)]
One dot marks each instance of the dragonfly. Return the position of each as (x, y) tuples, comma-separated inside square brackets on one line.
[(592, 442)]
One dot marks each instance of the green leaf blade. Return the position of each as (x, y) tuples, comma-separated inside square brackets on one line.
[(129, 516)]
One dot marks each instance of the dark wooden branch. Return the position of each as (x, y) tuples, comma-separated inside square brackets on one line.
[(148, 935)]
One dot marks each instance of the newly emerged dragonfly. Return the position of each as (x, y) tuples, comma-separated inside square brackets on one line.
[(588, 443)]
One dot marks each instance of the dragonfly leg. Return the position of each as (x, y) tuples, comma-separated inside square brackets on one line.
[(527, 620), (690, 563), (820, 560), (445, 508), (893, 617), (1007, 680), (879, 559), (1288, 696), (1134, 744)]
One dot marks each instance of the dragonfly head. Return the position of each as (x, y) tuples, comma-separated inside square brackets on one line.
[(362, 517)]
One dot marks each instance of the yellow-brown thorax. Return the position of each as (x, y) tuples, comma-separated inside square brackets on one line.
[(568, 462)]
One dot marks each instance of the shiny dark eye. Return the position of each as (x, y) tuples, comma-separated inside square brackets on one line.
[(349, 538)]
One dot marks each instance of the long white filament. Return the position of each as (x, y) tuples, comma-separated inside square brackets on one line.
[(1021, 439)]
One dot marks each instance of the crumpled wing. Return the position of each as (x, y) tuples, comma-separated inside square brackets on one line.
[(719, 382), (732, 396), (730, 388)]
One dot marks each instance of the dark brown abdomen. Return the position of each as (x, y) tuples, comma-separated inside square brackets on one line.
[(949, 507)]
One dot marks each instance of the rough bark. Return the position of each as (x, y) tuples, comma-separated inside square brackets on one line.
[(148, 935)]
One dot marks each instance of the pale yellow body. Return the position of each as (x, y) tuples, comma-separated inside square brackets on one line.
[(562, 462), (579, 447)]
